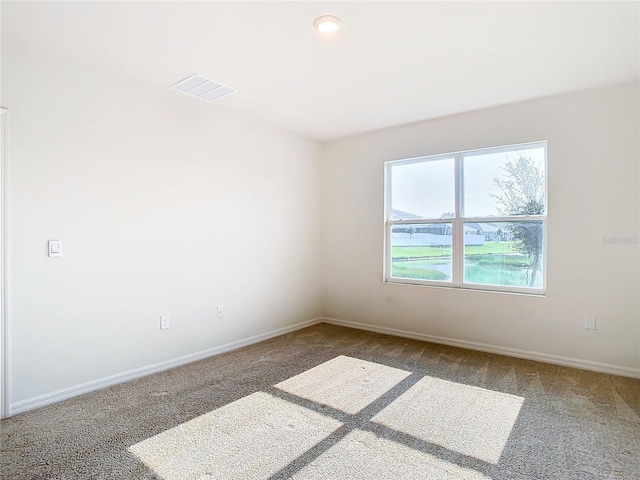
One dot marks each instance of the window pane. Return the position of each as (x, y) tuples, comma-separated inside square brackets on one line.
[(423, 190), (504, 183), (507, 253), (421, 251)]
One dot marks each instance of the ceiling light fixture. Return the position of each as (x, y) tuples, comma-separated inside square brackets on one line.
[(327, 24)]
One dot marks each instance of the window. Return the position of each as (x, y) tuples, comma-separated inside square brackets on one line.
[(474, 219)]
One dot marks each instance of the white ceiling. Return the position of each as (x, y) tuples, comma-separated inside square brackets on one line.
[(391, 63)]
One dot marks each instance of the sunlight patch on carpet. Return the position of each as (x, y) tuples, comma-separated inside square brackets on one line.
[(345, 383), (363, 456), (253, 437), (470, 420)]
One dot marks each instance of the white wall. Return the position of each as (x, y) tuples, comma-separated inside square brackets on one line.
[(593, 154), (165, 205)]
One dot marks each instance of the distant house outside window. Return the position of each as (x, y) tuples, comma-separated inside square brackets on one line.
[(474, 219)]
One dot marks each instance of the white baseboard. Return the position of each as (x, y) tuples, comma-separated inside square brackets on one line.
[(511, 352), (70, 392)]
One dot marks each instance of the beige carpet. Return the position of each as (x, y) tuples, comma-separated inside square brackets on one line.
[(333, 403)]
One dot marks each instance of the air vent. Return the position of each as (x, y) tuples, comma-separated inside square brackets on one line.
[(203, 88)]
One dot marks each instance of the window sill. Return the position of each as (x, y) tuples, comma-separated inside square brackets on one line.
[(527, 292)]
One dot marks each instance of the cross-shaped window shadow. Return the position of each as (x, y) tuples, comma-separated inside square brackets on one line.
[(344, 413)]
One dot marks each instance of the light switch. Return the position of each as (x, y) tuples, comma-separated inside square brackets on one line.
[(55, 248)]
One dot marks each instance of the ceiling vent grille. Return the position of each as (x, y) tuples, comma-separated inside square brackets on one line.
[(201, 87)]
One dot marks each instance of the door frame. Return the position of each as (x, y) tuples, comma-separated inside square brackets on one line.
[(5, 410)]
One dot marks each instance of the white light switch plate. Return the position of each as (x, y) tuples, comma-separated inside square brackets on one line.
[(55, 248)]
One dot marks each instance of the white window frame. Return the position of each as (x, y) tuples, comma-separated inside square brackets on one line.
[(459, 220)]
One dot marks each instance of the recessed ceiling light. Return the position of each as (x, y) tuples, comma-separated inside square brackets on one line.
[(327, 24), (201, 87)]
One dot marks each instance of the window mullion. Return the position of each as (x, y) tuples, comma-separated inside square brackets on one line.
[(458, 230)]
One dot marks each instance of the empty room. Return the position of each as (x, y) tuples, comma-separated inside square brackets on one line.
[(319, 240)]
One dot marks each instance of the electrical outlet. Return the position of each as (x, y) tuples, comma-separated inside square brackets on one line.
[(590, 322), (164, 322), (219, 312)]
